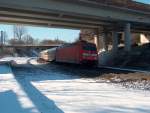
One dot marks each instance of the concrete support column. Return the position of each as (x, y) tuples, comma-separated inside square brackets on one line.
[(105, 44), (101, 41), (115, 41), (127, 36), (97, 42)]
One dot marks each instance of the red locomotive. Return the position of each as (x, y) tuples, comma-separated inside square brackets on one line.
[(80, 52)]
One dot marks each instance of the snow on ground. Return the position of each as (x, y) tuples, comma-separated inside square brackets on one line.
[(82, 96), (12, 98), (48, 90), (18, 60)]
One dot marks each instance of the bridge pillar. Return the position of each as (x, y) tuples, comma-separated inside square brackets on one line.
[(115, 41), (105, 43), (127, 36), (101, 41), (97, 42)]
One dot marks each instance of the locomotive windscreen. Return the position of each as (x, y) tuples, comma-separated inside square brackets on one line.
[(89, 47)]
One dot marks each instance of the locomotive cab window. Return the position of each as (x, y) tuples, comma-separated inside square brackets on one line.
[(89, 47)]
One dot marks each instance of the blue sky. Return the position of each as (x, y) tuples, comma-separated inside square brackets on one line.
[(144, 1), (40, 33)]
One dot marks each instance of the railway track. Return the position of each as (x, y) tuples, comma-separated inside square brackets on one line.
[(77, 70), (105, 69), (108, 68), (125, 69)]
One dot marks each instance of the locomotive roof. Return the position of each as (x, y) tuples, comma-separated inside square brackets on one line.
[(78, 42), (47, 50)]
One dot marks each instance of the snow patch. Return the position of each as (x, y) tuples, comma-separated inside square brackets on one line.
[(12, 97)]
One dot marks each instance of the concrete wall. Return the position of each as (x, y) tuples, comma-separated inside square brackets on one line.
[(138, 38), (105, 58), (144, 38), (88, 35)]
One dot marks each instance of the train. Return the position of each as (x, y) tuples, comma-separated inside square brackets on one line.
[(48, 55), (81, 52)]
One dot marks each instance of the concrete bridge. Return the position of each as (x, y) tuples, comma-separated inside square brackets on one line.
[(26, 50), (78, 14), (35, 47), (72, 14)]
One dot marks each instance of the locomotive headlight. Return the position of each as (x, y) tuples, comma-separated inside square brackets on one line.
[(94, 55), (87, 54)]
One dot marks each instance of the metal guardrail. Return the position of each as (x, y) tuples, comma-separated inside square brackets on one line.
[(30, 45), (125, 3)]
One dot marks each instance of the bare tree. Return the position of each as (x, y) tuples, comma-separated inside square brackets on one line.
[(15, 42), (36, 41), (28, 39), (3, 37), (19, 31), (49, 41)]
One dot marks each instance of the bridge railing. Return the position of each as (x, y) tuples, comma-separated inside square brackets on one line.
[(124, 3)]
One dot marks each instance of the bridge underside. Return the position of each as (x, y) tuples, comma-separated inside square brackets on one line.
[(76, 15), (9, 15)]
